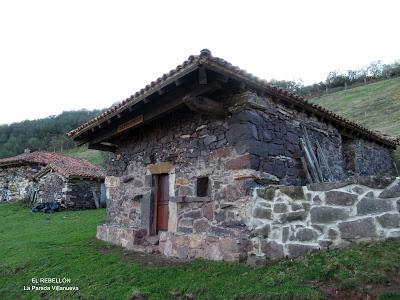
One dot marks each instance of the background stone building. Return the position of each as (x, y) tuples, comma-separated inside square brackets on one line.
[(192, 148), (41, 177)]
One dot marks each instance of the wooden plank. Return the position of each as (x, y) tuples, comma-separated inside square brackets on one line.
[(206, 106), (324, 160), (102, 147), (305, 168), (189, 199), (312, 154), (202, 75), (310, 161), (130, 124)]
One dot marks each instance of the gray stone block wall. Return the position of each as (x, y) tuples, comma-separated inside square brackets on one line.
[(15, 183), (49, 188), (292, 221)]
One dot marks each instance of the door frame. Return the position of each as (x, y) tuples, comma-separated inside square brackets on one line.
[(155, 170), (158, 182)]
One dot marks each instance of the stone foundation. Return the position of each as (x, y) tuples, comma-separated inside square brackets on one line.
[(278, 222), (184, 246), (292, 221)]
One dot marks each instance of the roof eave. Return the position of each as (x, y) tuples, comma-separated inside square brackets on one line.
[(137, 99)]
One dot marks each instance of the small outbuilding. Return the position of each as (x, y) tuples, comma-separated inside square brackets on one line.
[(41, 177)]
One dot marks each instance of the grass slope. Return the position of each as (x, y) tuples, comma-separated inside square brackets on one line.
[(376, 105), (94, 156), (34, 245)]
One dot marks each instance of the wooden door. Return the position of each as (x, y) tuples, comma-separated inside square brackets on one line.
[(162, 202)]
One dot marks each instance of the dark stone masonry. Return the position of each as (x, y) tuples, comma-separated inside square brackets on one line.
[(208, 162)]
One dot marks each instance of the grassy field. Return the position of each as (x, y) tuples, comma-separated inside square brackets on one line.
[(35, 245), (376, 105), (94, 156)]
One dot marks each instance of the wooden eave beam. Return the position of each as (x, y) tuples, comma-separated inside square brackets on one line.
[(151, 91), (102, 147), (163, 106), (205, 105), (202, 74)]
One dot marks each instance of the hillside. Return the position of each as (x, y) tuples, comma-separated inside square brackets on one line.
[(375, 106), (94, 156)]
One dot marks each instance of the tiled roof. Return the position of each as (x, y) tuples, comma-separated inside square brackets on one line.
[(65, 165), (220, 65)]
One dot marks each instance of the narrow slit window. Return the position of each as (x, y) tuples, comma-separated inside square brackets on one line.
[(202, 187)]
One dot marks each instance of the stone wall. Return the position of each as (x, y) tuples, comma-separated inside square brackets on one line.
[(292, 221), (269, 133), (15, 182), (49, 188), (80, 193), (187, 147), (365, 158)]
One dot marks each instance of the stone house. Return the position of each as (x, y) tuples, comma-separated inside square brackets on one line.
[(46, 176), (192, 149)]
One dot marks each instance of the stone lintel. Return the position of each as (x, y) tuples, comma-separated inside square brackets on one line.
[(112, 181), (161, 168)]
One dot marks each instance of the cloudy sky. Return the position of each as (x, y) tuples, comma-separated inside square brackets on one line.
[(67, 55)]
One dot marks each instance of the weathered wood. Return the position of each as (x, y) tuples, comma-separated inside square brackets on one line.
[(131, 123), (162, 91), (101, 147), (205, 106), (202, 73), (178, 82), (188, 199), (310, 161), (324, 161), (312, 154), (395, 168), (305, 168)]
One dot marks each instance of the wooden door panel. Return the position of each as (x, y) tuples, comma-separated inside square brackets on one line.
[(162, 202)]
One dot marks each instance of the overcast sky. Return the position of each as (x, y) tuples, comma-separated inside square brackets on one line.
[(68, 55)]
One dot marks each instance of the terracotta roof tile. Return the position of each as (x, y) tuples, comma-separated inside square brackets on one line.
[(65, 165)]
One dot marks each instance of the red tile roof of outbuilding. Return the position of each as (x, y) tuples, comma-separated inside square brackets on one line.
[(65, 165)]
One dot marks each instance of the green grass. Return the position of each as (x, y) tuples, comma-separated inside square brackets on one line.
[(94, 156), (375, 106), (34, 245)]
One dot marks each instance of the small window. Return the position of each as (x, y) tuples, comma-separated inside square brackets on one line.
[(202, 187)]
